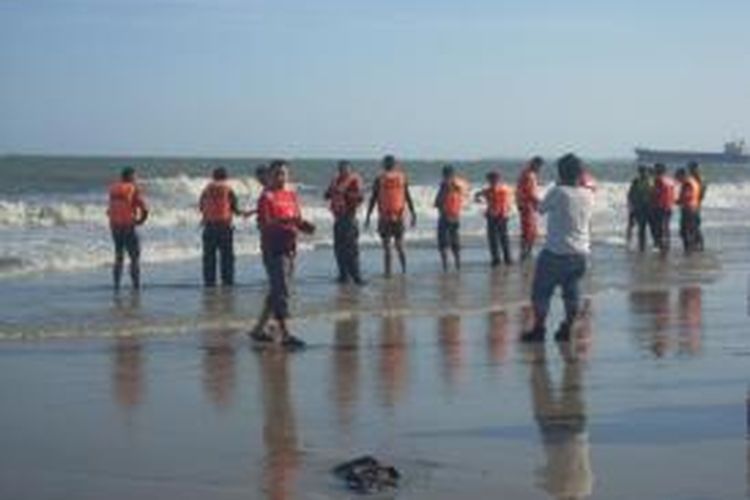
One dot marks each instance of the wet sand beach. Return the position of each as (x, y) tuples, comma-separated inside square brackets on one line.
[(423, 371)]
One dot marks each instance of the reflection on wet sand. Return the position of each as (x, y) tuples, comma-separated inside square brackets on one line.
[(561, 418), (346, 370), (393, 363), (498, 338), (658, 336), (128, 384), (393, 366), (690, 311), (282, 454), (219, 371), (449, 340)]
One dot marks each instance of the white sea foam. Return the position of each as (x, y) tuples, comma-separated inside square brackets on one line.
[(69, 232)]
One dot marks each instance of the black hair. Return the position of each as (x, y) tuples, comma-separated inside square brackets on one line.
[(448, 170), (537, 161), (127, 174), (277, 164), (220, 174), (660, 168), (569, 169), (389, 161)]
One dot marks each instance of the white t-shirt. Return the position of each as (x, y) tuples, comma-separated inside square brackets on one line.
[(569, 211)]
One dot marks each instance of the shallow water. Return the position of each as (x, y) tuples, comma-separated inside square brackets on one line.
[(424, 371)]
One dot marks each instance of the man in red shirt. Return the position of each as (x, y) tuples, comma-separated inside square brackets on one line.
[(280, 220), (126, 210), (345, 196)]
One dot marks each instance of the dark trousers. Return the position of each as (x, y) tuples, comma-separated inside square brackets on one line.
[(346, 247), (126, 240), (218, 238), (641, 217), (553, 270), (278, 268), (497, 237), (662, 220), (689, 229)]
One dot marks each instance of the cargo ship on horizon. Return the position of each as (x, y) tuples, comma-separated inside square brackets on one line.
[(734, 153)]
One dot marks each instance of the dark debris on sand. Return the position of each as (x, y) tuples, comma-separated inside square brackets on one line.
[(366, 475)]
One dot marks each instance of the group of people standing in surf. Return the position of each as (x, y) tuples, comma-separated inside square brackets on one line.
[(562, 262), (652, 198)]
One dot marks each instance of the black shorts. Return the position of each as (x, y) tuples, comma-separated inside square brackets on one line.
[(126, 240), (447, 233), (391, 228)]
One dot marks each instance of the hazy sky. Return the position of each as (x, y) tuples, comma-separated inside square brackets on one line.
[(429, 78)]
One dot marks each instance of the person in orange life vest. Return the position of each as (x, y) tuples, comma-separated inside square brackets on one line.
[(391, 193), (694, 171), (689, 202), (499, 198), (449, 201), (218, 205), (527, 200), (345, 196), (127, 209), (280, 220), (663, 202)]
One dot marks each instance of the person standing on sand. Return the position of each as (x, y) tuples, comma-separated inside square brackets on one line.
[(218, 204), (127, 209), (694, 171), (662, 202), (562, 262), (391, 193), (689, 202), (499, 198), (345, 196), (449, 201), (527, 200), (280, 220), (639, 206)]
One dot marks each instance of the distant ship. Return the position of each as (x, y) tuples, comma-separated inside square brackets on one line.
[(734, 153)]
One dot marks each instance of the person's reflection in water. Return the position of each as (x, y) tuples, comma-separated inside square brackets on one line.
[(346, 374), (393, 366), (497, 337), (279, 426), (393, 363), (128, 382), (449, 339), (219, 372), (654, 305), (690, 311), (561, 417)]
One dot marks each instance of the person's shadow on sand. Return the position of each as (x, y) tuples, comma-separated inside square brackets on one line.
[(560, 414)]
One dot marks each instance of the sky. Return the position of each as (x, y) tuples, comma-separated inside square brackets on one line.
[(357, 78)]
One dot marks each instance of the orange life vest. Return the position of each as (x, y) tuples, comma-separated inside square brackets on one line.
[(345, 194), (216, 203), (282, 203), (664, 193), (453, 198), (499, 199), (391, 195), (526, 190), (122, 204), (690, 194)]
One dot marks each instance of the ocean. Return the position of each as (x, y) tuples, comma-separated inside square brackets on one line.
[(55, 246)]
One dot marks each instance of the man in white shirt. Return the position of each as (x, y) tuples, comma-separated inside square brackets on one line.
[(562, 262)]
